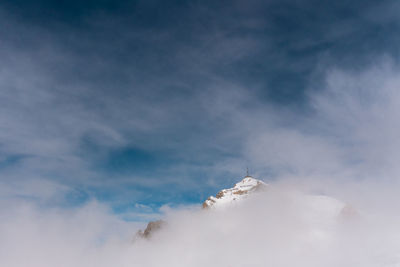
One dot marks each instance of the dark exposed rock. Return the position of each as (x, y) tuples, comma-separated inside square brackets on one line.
[(240, 192), (152, 227), (220, 194)]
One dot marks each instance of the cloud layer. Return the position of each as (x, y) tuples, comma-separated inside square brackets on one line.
[(280, 227), (105, 118), (197, 90)]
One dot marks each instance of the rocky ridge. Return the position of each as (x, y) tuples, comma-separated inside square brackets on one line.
[(322, 206), (240, 191)]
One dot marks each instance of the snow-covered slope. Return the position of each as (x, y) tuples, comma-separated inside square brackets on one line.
[(317, 210), (318, 206), (240, 191)]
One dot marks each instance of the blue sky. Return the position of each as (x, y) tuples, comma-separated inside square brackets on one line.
[(140, 104)]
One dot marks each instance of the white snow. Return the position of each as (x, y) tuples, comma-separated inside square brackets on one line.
[(240, 191), (320, 207)]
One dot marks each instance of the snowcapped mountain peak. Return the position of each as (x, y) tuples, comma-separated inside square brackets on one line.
[(248, 183), (241, 190)]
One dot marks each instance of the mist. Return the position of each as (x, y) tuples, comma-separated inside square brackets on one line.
[(280, 227), (345, 149), (114, 115)]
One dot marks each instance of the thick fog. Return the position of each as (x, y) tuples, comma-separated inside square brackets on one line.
[(281, 227)]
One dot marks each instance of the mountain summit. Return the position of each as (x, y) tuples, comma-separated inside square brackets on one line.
[(316, 208), (240, 191)]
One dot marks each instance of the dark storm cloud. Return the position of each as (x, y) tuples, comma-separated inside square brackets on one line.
[(93, 83)]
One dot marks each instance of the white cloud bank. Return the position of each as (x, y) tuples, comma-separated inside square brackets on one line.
[(282, 227)]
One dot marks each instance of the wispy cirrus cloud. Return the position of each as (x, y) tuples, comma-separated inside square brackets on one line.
[(125, 109), (203, 98)]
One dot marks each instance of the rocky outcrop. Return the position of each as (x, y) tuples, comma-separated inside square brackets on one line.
[(151, 228), (249, 186)]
